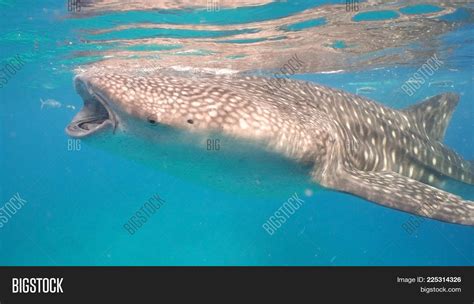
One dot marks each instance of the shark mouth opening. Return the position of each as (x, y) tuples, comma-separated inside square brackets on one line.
[(94, 116)]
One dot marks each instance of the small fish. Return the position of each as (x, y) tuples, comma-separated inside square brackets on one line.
[(365, 90), (415, 81), (71, 107), (366, 84), (442, 84), (51, 103)]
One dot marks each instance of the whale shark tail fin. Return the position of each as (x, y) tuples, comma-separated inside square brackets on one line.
[(433, 115), (42, 103)]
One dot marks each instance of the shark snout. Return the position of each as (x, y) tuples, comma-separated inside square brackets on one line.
[(95, 115)]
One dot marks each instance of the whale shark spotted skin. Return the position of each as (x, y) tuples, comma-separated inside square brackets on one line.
[(352, 144)]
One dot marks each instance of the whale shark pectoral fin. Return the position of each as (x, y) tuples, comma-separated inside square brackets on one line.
[(396, 191)]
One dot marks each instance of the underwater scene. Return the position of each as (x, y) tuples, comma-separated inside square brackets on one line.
[(246, 132)]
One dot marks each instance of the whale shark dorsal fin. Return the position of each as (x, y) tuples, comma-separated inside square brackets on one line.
[(433, 114)]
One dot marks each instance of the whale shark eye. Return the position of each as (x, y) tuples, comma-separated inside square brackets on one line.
[(151, 120), (190, 121)]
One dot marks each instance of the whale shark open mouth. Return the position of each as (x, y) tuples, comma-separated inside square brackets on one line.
[(95, 114)]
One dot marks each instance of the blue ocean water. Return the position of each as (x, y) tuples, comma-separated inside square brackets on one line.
[(79, 199)]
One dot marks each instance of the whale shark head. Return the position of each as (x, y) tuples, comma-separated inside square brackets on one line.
[(96, 114), (111, 101), (116, 101), (173, 124)]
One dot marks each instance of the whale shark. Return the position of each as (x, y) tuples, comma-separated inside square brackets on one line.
[(301, 132)]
